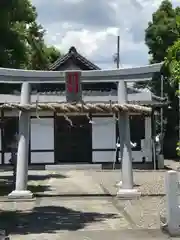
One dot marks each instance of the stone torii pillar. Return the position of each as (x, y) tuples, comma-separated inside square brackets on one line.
[(23, 148), (126, 189)]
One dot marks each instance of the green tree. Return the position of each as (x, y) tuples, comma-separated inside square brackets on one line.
[(15, 15), (162, 32), (41, 56), (22, 38), (52, 54), (172, 62)]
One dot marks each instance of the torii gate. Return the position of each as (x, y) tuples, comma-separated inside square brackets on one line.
[(121, 76)]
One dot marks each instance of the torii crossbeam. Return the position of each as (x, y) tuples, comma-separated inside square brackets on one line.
[(115, 75)]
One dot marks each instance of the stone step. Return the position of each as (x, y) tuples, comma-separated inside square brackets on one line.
[(75, 166)]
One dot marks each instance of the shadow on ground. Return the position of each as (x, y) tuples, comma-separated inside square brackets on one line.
[(7, 183), (33, 177), (49, 219), (167, 168)]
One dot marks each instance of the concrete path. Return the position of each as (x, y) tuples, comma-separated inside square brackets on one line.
[(145, 234), (101, 235), (82, 205)]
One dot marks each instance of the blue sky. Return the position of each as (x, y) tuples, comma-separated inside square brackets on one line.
[(92, 26)]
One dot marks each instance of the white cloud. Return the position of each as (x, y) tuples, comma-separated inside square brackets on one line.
[(87, 41), (92, 29)]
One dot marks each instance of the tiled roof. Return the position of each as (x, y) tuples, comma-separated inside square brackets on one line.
[(7, 98), (130, 90), (88, 96), (73, 54)]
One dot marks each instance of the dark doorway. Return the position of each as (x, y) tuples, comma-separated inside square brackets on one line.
[(73, 142), (137, 129), (9, 139), (10, 132)]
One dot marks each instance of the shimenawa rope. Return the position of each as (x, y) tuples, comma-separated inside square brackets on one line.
[(66, 108)]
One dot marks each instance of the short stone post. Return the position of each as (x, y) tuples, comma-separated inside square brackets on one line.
[(23, 148), (172, 203), (126, 190)]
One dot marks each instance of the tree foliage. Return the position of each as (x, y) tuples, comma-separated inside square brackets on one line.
[(161, 34), (162, 31), (22, 38), (173, 62)]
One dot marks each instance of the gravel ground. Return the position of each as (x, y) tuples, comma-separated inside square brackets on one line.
[(144, 212)]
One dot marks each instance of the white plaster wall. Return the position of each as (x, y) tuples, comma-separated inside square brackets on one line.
[(103, 132), (14, 113), (103, 137), (7, 157), (42, 157), (137, 156), (105, 156), (42, 114), (142, 96), (42, 138)]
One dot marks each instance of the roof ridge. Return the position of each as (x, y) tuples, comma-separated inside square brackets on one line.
[(73, 52), (60, 58)]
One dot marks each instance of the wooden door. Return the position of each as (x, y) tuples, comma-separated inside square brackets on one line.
[(73, 143)]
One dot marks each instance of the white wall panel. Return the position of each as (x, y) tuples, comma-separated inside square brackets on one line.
[(43, 113), (42, 157), (12, 113), (15, 113), (104, 156), (137, 156), (7, 157), (103, 133), (109, 156), (42, 134)]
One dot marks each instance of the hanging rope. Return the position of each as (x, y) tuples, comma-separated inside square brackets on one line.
[(66, 108)]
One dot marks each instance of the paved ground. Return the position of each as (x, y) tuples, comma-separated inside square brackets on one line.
[(100, 235), (82, 205)]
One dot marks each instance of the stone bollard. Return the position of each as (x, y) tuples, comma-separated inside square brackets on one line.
[(160, 161), (172, 195)]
